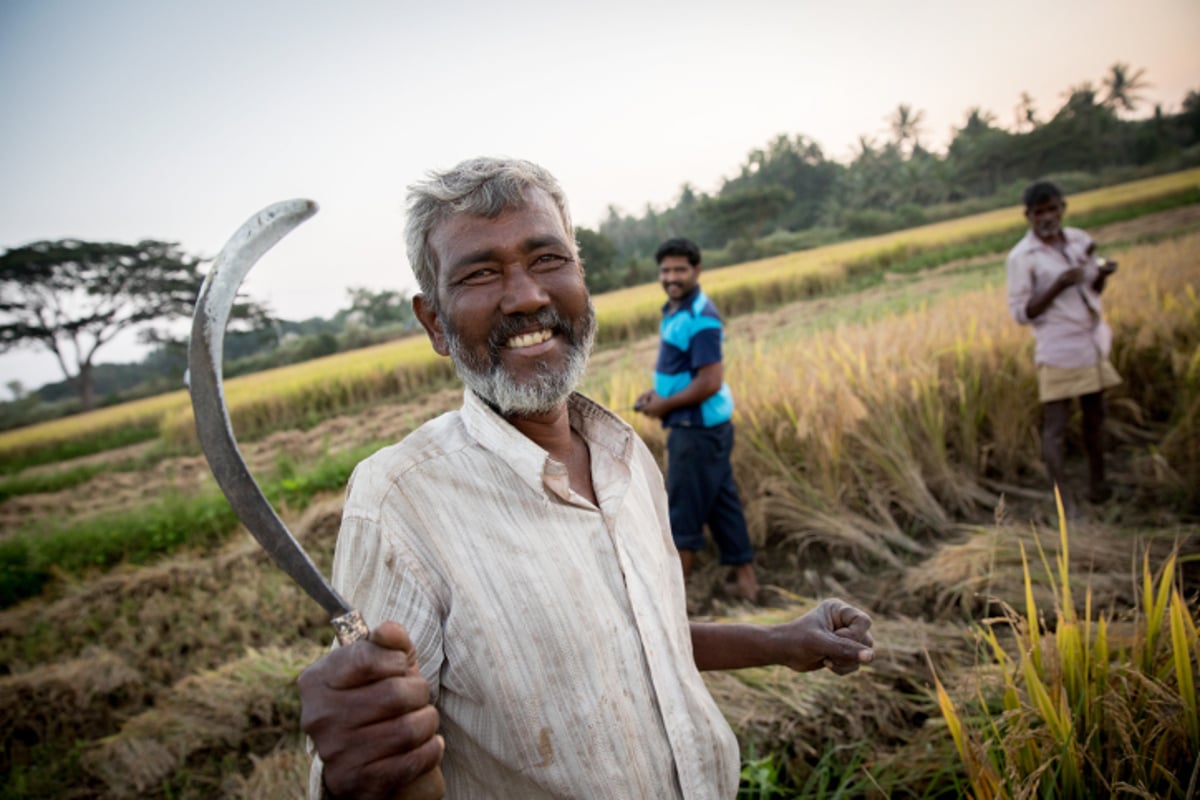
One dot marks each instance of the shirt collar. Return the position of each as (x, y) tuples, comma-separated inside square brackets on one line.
[(1038, 241), (685, 302), (602, 429)]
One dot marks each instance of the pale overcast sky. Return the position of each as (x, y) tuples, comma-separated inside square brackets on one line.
[(132, 119)]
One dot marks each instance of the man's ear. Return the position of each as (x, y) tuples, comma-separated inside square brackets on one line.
[(431, 323)]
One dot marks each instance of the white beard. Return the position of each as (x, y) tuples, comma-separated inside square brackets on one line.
[(549, 387)]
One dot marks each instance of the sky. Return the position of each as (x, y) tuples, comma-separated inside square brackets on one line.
[(140, 119)]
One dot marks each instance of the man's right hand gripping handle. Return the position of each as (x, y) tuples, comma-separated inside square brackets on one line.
[(366, 708)]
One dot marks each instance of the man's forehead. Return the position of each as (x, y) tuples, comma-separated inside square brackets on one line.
[(536, 215), (1052, 204)]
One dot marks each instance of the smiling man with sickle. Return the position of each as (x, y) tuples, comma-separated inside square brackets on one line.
[(537, 642)]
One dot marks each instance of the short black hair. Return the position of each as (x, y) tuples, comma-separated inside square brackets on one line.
[(1041, 192), (678, 247)]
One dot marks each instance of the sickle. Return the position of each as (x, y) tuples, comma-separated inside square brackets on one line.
[(216, 299), (258, 235)]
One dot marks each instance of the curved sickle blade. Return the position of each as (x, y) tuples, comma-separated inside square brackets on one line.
[(205, 350)]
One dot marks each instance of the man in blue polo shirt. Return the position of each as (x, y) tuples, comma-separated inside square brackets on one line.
[(693, 401)]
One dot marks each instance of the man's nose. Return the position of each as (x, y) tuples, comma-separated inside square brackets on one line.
[(523, 293)]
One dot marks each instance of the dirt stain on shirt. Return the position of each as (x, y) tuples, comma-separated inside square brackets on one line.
[(545, 748)]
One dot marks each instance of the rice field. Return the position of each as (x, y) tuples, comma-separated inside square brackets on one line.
[(887, 453), (302, 394)]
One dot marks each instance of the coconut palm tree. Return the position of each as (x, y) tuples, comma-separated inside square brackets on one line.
[(1122, 86), (1026, 114), (905, 125)]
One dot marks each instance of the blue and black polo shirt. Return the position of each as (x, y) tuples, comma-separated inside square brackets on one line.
[(690, 338)]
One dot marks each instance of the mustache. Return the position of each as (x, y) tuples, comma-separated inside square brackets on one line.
[(515, 324)]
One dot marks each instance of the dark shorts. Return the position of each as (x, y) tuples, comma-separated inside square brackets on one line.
[(701, 491)]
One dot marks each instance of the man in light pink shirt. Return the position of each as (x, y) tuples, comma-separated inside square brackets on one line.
[(1054, 284)]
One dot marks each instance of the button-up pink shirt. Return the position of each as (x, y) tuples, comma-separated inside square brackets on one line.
[(553, 631), (1072, 331)]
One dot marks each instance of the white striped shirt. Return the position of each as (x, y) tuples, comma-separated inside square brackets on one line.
[(553, 632)]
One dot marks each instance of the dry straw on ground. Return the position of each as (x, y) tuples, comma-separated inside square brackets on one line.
[(72, 700), (184, 614), (839, 504), (245, 706)]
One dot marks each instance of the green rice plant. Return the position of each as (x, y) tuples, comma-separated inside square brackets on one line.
[(838, 774), (761, 778), (30, 559), (1083, 712)]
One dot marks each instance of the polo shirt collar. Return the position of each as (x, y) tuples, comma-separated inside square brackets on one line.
[(685, 302)]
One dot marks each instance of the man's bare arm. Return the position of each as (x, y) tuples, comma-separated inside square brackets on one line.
[(834, 635), (706, 382), (1038, 304)]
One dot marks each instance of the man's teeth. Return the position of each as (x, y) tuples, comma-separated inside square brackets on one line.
[(529, 339)]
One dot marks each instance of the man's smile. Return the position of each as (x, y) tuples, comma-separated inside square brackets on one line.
[(529, 339)]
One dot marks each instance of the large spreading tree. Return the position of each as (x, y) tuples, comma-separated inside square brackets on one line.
[(72, 297)]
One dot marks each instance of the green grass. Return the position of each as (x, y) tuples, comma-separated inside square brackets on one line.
[(71, 477), (909, 258), (47, 768), (29, 559), (49, 482), (67, 449)]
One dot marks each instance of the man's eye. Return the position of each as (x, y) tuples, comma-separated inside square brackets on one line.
[(479, 275), (549, 260)]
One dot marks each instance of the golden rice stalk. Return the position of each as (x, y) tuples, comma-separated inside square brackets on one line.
[(1067, 606), (1033, 630), (985, 781), (1181, 648), (1072, 663), (1154, 609)]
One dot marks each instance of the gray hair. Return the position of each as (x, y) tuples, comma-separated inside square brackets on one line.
[(479, 186)]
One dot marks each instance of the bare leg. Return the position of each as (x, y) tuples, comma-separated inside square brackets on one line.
[(1055, 416), (746, 586), (686, 559), (1093, 442)]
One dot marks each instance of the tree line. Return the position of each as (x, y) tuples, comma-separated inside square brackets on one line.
[(788, 195), (72, 297), (74, 321)]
